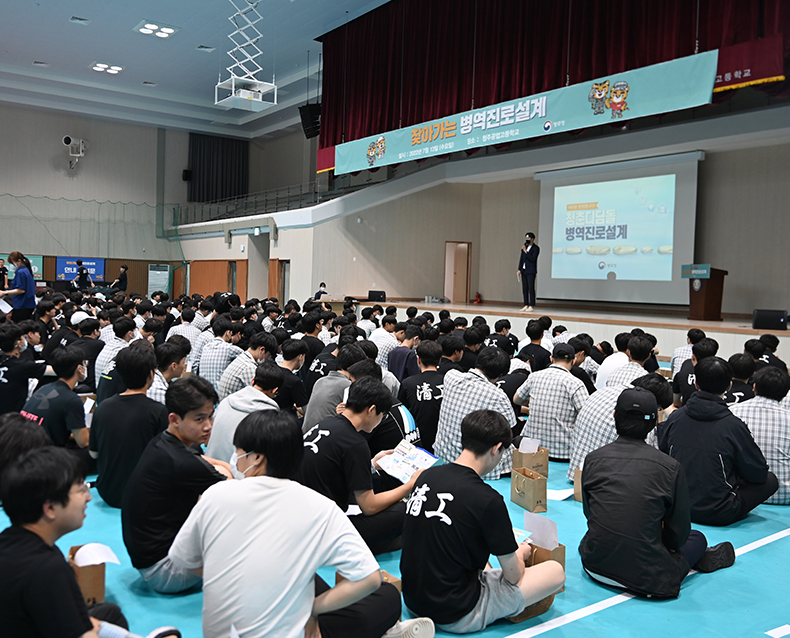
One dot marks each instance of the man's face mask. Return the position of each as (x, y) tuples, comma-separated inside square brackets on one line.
[(234, 459)]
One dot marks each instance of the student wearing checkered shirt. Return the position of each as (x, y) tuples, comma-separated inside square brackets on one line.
[(240, 372), (638, 351), (465, 392), (595, 425), (220, 351), (683, 353), (769, 424), (170, 365), (555, 398)]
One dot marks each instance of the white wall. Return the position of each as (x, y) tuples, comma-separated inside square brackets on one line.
[(296, 246), (258, 271)]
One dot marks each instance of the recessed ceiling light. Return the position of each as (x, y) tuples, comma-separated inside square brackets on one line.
[(205, 49), (147, 83), (101, 66), (159, 29), (39, 63), (83, 21)]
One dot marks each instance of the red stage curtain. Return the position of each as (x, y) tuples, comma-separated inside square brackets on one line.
[(410, 61)]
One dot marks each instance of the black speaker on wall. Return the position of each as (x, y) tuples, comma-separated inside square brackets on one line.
[(311, 119), (377, 295), (769, 320), (186, 175)]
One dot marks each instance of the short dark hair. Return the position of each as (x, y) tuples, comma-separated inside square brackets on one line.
[(639, 348), (460, 322), (446, 326), (292, 348), (493, 362), (182, 342), (310, 321), (189, 393), (429, 353), (88, 326), (122, 326), (144, 306), (500, 325), (370, 349), (473, 336), (412, 332), (534, 330), (772, 383), (621, 341), (606, 348), (713, 374), (348, 355), (705, 348), (558, 330), (771, 342), (411, 312), (268, 376), (400, 326), (43, 475), (167, 354), (220, 325), (10, 333), (17, 436), (154, 326), (366, 392), (695, 335), (392, 310), (743, 365), (444, 314), (754, 347), (275, 434), (136, 364), (451, 345), (365, 368), (65, 361), (658, 385), (44, 307), (266, 341), (481, 430), (188, 315)]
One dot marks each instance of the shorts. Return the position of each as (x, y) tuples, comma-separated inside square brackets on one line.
[(498, 599), (166, 577)]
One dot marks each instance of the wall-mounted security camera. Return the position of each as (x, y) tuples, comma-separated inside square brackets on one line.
[(77, 146)]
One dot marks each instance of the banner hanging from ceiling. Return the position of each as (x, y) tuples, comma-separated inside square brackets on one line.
[(661, 88)]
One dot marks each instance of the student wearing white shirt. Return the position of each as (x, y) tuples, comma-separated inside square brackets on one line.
[(267, 525)]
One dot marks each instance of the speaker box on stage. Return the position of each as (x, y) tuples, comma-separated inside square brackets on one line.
[(377, 295), (311, 119), (769, 320)]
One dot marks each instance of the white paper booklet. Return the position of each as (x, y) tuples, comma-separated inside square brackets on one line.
[(406, 460)]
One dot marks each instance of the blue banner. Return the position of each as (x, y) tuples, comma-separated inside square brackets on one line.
[(670, 86), (66, 269)]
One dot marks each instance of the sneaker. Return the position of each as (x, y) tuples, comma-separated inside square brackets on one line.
[(413, 628), (529, 309), (526, 309), (165, 632), (716, 557), (535, 609)]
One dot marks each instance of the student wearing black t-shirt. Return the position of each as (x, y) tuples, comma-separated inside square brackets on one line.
[(91, 346), (167, 482), (539, 357), (337, 463), (510, 384), (684, 381), (45, 496), (452, 351), (311, 327), (454, 522), (58, 409), (121, 282), (15, 372), (292, 395), (83, 277), (62, 337), (743, 369), (3, 275), (581, 349), (422, 393), (124, 424), (473, 341), (402, 361)]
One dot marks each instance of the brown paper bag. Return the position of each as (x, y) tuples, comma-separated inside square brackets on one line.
[(577, 485), (528, 489), (541, 555), (537, 461), (90, 579)]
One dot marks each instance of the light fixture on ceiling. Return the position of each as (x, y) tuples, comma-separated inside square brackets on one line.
[(147, 83), (40, 63), (101, 67), (76, 20), (156, 28), (205, 49)]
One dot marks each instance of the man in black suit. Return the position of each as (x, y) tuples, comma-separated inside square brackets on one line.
[(527, 269)]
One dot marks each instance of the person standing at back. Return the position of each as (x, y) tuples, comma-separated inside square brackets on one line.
[(528, 270)]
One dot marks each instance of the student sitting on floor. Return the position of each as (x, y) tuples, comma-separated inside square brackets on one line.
[(270, 525), (45, 495), (727, 473), (454, 523), (337, 463), (167, 482), (636, 501)]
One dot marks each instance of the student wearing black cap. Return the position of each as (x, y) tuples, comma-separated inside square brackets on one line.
[(636, 501)]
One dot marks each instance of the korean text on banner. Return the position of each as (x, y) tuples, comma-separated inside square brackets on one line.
[(660, 88)]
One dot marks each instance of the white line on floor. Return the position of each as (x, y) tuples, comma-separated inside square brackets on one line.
[(621, 598)]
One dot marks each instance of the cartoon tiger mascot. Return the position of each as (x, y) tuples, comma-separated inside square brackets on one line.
[(617, 100), (597, 96)]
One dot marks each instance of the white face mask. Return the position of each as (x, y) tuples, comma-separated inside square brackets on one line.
[(234, 459), (11, 270), (24, 345)]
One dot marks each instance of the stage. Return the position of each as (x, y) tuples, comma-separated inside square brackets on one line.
[(668, 325)]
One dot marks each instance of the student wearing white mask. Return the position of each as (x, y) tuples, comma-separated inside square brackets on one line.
[(270, 525)]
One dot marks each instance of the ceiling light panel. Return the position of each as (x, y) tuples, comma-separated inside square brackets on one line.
[(158, 29), (103, 67)]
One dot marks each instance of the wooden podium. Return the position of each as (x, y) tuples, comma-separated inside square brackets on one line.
[(705, 296)]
